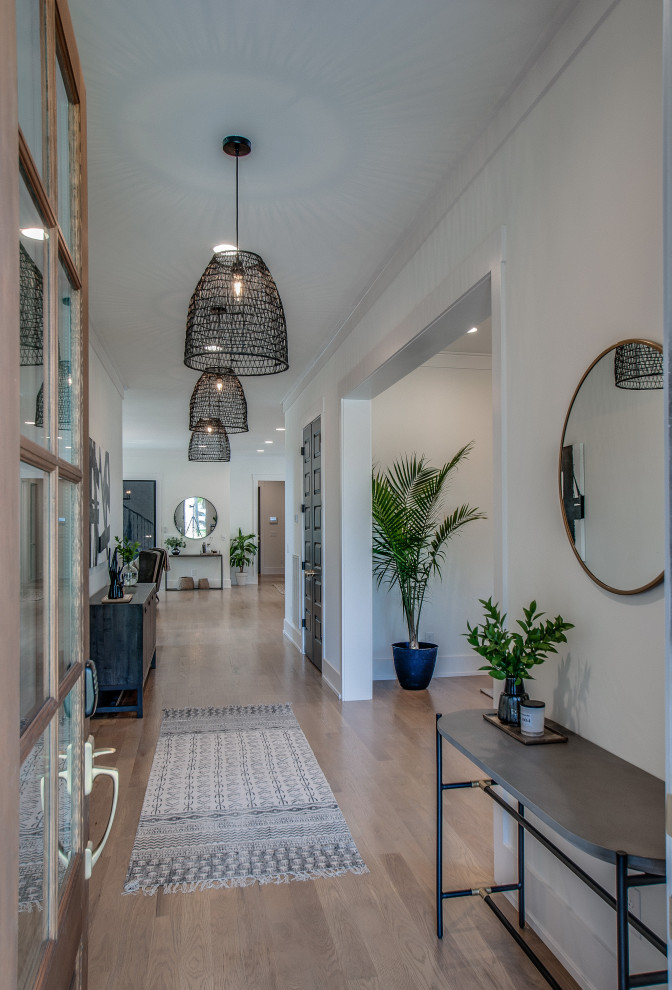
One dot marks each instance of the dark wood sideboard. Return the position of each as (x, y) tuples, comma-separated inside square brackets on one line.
[(123, 646)]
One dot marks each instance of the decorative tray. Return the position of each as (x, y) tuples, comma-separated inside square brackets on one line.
[(117, 601), (549, 736)]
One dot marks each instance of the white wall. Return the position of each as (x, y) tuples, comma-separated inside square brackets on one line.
[(177, 478), (435, 410), (570, 170), (105, 399)]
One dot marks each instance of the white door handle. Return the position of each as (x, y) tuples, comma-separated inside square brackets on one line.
[(91, 855)]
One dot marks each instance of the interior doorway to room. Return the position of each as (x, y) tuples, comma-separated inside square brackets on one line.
[(271, 523), (361, 635)]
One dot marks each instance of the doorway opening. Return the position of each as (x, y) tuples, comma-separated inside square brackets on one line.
[(479, 307), (271, 529)]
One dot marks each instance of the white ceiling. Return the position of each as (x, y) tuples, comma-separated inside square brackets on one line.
[(356, 110)]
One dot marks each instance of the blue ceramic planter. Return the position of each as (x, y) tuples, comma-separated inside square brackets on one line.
[(414, 668)]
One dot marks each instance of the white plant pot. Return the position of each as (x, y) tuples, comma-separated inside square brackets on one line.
[(241, 577)]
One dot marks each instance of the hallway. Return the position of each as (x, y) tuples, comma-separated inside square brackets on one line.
[(371, 932)]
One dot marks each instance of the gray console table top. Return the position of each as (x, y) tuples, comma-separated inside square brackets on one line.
[(140, 592), (597, 801)]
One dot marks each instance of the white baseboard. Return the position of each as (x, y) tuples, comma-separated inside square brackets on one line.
[(331, 677), (293, 634), (455, 666)]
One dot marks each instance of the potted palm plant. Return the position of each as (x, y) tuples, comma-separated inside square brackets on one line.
[(410, 533), (510, 655), (242, 551)]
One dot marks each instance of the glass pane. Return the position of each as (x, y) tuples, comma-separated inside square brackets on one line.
[(68, 783), (34, 536), (65, 119), (31, 71), (69, 554), (68, 367), (33, 243), (32, 855)]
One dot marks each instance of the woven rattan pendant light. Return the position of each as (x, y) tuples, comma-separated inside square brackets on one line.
[(218, 402), (638, 365), (64, 393), (235, 316), (213, 446), (31, 297)]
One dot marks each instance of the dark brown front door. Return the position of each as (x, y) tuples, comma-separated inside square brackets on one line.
[(312, 530)]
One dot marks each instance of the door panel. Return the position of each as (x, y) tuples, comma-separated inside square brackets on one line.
[(43, 458), (312, 521)]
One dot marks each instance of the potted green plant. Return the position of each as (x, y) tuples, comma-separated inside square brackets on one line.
[(410, 533), (510, 654), (128, 551), (175, 544), (242, 551)]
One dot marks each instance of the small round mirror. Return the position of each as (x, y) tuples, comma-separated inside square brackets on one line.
[(195, 518), (611, 472)]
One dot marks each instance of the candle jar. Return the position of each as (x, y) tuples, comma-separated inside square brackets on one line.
[(532, 718)]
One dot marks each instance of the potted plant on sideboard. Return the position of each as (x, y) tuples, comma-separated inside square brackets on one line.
[(242, 551), (410, 534), (175, 544), (128, 551), (510, 655)]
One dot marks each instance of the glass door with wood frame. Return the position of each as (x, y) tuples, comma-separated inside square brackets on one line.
[(50, 348)]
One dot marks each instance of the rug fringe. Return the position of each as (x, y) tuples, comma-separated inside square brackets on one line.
[(183, 887)]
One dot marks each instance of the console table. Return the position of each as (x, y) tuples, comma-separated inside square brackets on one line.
[(123, 643), (600, 803), (197, 556)]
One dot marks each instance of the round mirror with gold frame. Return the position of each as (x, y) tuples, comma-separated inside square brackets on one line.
[(611, 471)]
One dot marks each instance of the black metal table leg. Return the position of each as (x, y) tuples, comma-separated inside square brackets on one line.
[(439, 831), (521, 868), (622, 940)]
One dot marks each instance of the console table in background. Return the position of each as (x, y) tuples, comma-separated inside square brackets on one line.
[(598, 802), (196, 556), (123, 644)]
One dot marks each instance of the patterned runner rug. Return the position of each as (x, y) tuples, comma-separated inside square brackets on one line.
[(235, 795)]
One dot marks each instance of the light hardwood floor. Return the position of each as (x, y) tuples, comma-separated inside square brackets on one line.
[(371, 932)]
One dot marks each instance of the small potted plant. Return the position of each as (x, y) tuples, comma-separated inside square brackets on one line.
[(175, 544), (410, 533), (510, 655), (128, 551), (242, 551)]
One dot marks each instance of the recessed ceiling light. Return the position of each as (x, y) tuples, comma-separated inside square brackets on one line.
[(279, 429), (260, 450), (268, 441), (29, 422), (35, 233), (218, 248), (473, 330)]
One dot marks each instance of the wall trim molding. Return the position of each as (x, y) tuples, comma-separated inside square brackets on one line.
[(331, 677), (290, 632), (455, 666), (108, 364)]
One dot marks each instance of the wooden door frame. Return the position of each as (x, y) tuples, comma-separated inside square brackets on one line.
[(9, 491), (58, 958)]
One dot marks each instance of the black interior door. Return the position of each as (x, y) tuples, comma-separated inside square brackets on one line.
[(312, 529)]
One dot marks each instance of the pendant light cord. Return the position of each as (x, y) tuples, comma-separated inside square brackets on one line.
[(237, 157)]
